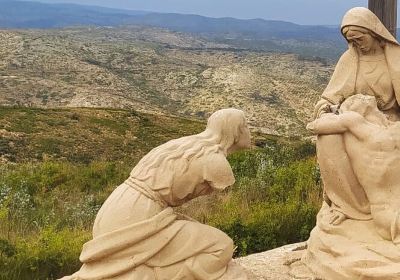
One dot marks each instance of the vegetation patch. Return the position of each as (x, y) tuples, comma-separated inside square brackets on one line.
[(48, 204)]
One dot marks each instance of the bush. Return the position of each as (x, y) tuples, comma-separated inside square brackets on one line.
[(47, 209), (272, 209), (50, 255)]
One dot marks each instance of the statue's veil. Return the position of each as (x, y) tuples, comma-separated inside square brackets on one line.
[(363, 17)]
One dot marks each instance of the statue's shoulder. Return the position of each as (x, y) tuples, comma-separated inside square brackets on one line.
[(215, 158), (351, 116), (348, 57), (217, 170)]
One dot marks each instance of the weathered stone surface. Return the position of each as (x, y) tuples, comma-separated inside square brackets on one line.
[(278, 264), (357, 230)]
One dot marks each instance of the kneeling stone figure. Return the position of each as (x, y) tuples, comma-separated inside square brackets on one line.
[(137, 235)]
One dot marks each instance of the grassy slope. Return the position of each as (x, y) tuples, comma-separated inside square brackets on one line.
[(67, 161), (84, 135)]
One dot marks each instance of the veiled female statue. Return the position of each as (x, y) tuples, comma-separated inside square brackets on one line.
[(370, 66), (346, 244), (137, 235)]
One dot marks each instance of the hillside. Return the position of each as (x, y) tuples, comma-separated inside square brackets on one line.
[(59, 165), (252, 34), (84, 135), (158, 71)]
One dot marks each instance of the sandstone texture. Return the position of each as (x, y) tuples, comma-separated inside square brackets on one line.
[(278, 264)]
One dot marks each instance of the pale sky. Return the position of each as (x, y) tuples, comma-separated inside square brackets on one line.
[(313, 12)]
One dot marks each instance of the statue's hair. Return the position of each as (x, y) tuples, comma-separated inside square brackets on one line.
[(353, 103), (172, 158)]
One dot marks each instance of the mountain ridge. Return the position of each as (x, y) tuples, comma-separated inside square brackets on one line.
[(254, 34)]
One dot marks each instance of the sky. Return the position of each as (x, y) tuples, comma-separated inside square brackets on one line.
[(309, 12)]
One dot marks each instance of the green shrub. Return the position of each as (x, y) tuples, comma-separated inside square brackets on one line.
[(47, 208), (49, 255), (263, 218)]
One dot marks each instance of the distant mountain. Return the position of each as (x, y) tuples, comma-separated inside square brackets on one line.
[(24, 14), (253, 34), (27, 14)]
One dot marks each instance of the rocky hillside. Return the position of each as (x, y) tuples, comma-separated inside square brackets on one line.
[(158, 71), (252, 34)]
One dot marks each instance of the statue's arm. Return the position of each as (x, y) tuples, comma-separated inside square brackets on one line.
[(337, 124), (218, 172), (323, 106), (341, 84), (328, 124)]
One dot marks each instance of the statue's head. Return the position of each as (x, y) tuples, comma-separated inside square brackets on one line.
[(230, 126), (226, 131), (362, 38), (362, 104), (363, 28)]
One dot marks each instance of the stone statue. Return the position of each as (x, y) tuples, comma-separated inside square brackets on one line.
[(372, 143), (137, 235), (356, 232), (371, 66)]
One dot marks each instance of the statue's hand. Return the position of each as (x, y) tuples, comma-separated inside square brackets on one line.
[(322, 106), (311, 127), (336, 217)]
